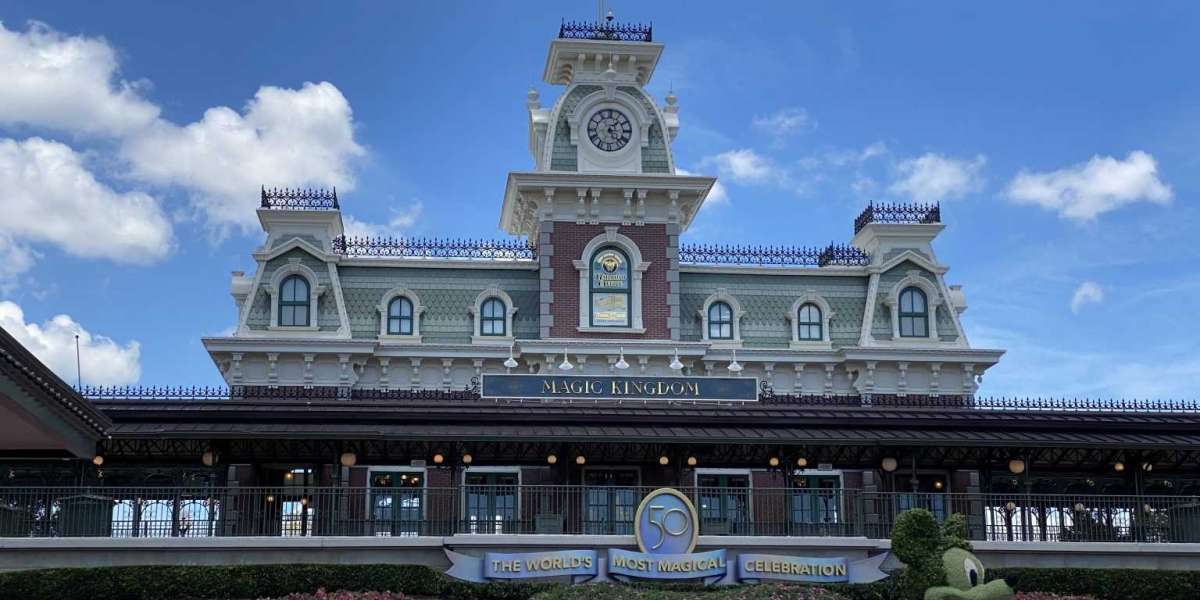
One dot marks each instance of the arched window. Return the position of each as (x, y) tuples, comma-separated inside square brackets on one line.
[(914, 313), (720, 321), (294, 302), (609, 288), (491, 318), (400, 316), (808, 323)]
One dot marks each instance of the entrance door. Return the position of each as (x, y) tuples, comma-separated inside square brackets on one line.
[(397, 503), (491, 502), (610, 499), (724, 504), (816, 505)]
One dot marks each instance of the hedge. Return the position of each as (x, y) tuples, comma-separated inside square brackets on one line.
[(272, 581), (1105, 584)]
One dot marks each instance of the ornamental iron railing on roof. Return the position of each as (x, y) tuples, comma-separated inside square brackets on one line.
[(298, 199), (471, 392), (722, 254), (515, 249), (620, 32), (898, 213)]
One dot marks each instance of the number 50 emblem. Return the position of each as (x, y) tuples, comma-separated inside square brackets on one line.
[(666, 523)]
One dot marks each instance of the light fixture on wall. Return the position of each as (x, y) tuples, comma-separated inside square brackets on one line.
[(511, 363), (802, 462), (565, 365), (691, 461), (621, 364), (438, 458), (348, 459), (1016, 466), (938, 485), (551, 459), (675, 364), (663, 460), (1119, 466), (734, 365), (98, 459), (579, 460), (773, 461), (208, 458), (1147, 467), (889, 464), (467, 458)]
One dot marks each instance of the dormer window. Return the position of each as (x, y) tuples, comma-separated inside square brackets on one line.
[(720, 321), (809, 324), (400, 316), (914, 313), (294, 302), (492, 318), (610, 288)]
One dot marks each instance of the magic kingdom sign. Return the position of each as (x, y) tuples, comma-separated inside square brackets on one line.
[(586, 387), (666, 529)]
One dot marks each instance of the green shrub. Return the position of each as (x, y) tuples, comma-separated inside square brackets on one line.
[(1105, 584)]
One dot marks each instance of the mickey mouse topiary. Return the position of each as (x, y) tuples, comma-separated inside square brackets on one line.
[(938, 560)]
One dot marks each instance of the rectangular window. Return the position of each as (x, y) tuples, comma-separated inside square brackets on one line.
[(397, 503), (491, 502), (816, 504), (610, 501), (724, 504), (610, 310)]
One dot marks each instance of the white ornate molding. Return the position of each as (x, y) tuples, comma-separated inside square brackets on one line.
[(722, 295), (476, 311), (793, 317), (417, 310)]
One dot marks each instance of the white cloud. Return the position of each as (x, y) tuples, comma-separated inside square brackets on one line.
[(1085, 191), (933, 177), (785, 122), (284, 137), (401, 220), (66, 82), (842, 158), (1088, 292), (103, 361), (743, 165), (716, 196), (51, 197)]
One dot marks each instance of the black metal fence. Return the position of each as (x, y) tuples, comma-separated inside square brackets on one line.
[(298, 199), (622, 32), (898, 213), (435, 248), (723, 254), (407, 508), (871, 401)]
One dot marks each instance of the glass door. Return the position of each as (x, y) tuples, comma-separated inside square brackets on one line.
[(816, 505), (610, 499), (724, 504), (491, 502), (397, 503)]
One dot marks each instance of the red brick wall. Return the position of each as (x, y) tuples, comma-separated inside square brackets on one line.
[(569, 240)]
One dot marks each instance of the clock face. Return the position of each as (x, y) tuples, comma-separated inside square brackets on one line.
[(609, 130)]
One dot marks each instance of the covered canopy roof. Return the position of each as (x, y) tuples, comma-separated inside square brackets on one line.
[(40, 415)]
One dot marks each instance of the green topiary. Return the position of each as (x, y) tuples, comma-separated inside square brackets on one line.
[(938, 564)]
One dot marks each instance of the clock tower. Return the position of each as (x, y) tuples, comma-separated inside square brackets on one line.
[(603, 202)]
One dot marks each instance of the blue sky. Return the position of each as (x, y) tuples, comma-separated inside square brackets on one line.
[(1063, 140)]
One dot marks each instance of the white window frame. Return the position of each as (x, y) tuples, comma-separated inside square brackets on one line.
[(476, 311), (417, 309), (933, 299), (723, 295), (638, 268), (315, 289), (793, 317)]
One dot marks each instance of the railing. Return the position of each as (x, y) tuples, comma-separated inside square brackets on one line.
[(471, 393), (406, 507), (606, 31), (435, 248), (720, 254), (898, 213), (286, 199)]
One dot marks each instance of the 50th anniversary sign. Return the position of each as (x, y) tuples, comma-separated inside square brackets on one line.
[(666, 530), (583, 387)]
